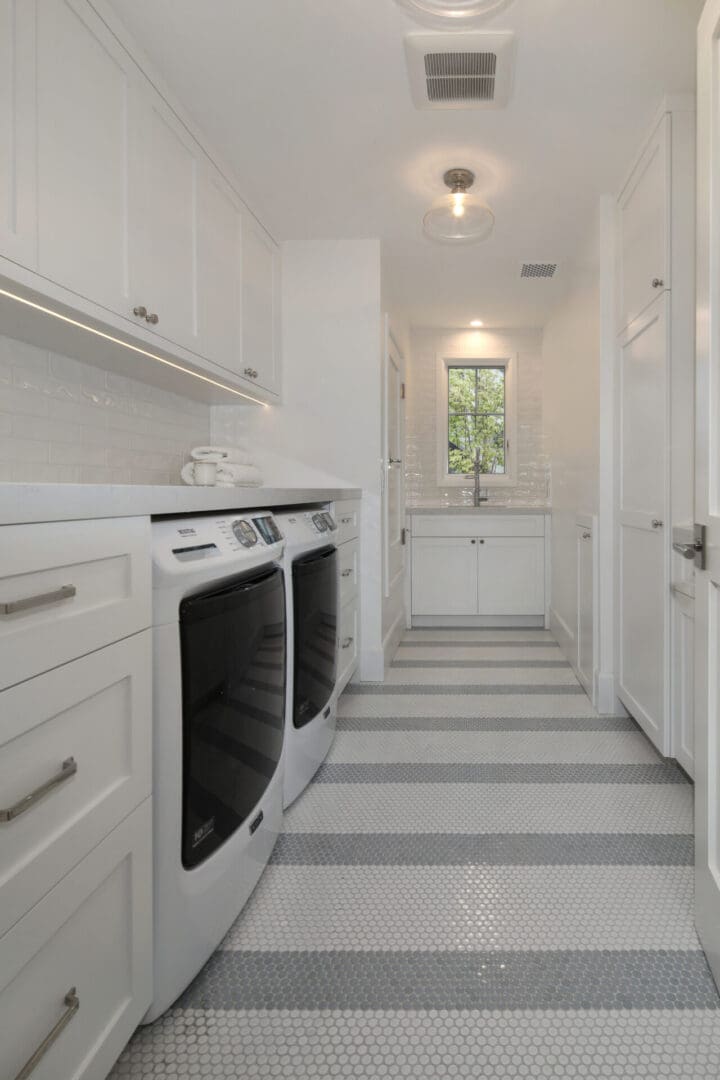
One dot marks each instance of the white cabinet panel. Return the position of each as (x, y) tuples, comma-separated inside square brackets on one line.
[(444, 576), (348, 569), (484, 523), (90, 934), (163, 220), (645, 228), (642, 635), (683, 679), (348, 643), (18, 132), (511, 575), (643, 405), (86, 725), (585, 612), (83, 91), (219, 271), (347, 514), (261, 306)]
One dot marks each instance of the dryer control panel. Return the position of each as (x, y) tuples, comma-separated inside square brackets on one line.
[(244, 540)]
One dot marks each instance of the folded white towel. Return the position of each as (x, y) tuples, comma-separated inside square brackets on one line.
[(231, 475), (229, 454)]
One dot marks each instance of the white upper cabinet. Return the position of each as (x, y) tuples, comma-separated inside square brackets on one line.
[(163, 211), (261, 306), (644, 207), (219, 271), (83, 114), (110, 206), (17, 131)]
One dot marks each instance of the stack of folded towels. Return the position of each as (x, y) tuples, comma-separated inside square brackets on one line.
[(235, 467)]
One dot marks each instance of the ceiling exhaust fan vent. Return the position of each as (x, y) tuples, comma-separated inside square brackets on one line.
[(538, 270), (460, 71)]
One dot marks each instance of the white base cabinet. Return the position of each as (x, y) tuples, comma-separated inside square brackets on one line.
[(347, 515), (485, 566)]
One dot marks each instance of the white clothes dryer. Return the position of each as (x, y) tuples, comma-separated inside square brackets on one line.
[(219, 674), (311, 586)]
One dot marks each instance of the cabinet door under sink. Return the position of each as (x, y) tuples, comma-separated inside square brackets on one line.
[(511, 575), (444, 575)]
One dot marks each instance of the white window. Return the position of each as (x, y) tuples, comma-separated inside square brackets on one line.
[(476, 421)]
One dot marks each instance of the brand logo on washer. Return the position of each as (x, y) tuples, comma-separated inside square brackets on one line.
[(205, 829), (187, 532)]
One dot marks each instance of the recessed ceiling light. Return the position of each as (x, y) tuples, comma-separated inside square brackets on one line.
[(460, 12), (476, 322)]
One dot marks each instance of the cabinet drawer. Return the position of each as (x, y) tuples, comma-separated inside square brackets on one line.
[(348, 570), (348, 650), (348, 519), (93, 716), (92, 932), (69, 587)]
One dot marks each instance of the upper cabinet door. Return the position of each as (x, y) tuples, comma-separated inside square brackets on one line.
[(17, 132), (645, 228), (164, 163), (261, 306), (83, 97), (220, 284)]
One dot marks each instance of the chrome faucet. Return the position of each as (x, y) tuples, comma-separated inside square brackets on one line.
[(477, 497)]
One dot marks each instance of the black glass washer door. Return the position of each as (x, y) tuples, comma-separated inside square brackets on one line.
[(232, 647), (315, 624)]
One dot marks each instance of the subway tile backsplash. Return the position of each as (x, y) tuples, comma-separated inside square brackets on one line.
[(533, 468), (63, 421)]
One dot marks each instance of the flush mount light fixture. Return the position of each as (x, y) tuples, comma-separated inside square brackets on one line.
[(459, 218), (461, 13), (476, 323)]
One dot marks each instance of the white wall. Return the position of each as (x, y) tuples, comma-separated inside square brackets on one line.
[(571, 410), (328, 428), (63, 421), (426, 345)]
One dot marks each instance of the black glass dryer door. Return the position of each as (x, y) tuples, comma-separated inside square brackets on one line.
[(232, 644), (315, 625)]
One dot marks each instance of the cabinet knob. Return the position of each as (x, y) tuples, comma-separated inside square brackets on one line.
[(152, 318), (657, 523), (251, 373), (657, 283), (473, 541), (140, 311), (587, 536)]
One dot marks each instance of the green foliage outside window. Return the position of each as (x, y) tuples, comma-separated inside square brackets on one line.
[(476, 419)]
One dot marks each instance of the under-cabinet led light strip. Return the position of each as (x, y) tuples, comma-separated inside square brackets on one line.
[(127, 345)]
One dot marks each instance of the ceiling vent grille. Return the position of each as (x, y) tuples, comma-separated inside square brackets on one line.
[(460, 71), (460, 76), (538, 270)]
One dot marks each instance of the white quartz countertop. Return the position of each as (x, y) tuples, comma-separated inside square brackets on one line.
[(21, 503), (485, 508)]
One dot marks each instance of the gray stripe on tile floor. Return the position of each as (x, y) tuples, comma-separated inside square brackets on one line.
[(488, 849), (388, 690), (504, 773), (567, 979), (480, 643), (427, 665), (487, 723)]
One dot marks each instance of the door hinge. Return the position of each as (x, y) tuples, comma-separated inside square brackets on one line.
[(402, 537), (402, 391)]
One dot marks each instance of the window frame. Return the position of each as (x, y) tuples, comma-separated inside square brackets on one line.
[(448, 479)]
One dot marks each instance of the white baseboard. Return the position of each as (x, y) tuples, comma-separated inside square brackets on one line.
[(564, 637), (460, 622), (393, 637), (607, 702)]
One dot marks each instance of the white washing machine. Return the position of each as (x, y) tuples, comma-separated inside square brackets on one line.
[(311, 585), (220, 647)]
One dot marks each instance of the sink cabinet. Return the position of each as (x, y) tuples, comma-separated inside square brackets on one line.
[(478, 567)]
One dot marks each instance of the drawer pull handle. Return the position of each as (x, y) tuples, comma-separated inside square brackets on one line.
[(347, 642), (346, 520), (69, 768), (346, 573), (41, 600), (72, 1004)]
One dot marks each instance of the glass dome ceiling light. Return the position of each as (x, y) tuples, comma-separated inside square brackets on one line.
[(461, 12), (459, 218)]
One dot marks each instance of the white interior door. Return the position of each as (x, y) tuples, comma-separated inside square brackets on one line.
[(707, 494), (394, 486), (643, 547)]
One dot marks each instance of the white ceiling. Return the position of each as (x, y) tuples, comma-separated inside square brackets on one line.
[(308, 100)]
